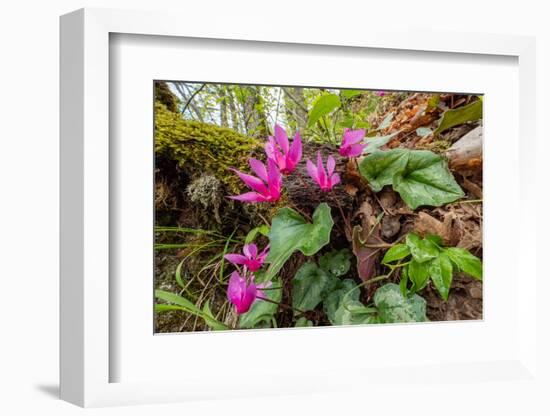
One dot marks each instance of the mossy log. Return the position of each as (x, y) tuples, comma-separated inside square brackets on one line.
[(200, 148)]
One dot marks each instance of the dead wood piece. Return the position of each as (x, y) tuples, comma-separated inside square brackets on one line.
[(467, 153)]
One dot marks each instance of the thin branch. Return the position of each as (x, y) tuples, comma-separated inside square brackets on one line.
[(191, 98)]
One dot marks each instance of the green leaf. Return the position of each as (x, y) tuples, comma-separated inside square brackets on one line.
[(393, 307), (262, 311), (252, 234), (421, 249), (423, 131), (326, 104), (434, 238), (433, 102), (396, 252), (374, 143), (441, 273), (336, 262), (348, 289), (403, 283), (307, 287), (466, 261), (303, 322), (426, 180), (420, 176), (353, 312), (291, 232), (210, 320), (461, 115), (179, 279), (380, 167), (419, 273), (189, 307), (350, 93)]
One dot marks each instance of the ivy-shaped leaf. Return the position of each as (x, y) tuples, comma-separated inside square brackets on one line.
[(380, 167), (420, 176), (290, 232), (336, 262), (353, 312), (334, 299), (308, 286), (426, 181), (393, 307)]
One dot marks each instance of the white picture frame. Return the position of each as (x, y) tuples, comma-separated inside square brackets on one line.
[(86, 355)]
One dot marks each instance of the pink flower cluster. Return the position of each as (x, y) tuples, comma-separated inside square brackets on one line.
[(242, 291), (282, 159)]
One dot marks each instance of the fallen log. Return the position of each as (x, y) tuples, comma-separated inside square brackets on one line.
[(467, 153)]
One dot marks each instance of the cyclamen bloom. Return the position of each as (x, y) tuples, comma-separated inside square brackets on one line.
[(251, 259), (267, 185), (284, 155), (351, 146), (325, 180), (243, 294), (380, 93)]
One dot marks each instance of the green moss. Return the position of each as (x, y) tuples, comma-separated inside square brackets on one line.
[(200, 148), (165, 96)]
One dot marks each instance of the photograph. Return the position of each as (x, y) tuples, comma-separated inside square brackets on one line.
[(284, 206)]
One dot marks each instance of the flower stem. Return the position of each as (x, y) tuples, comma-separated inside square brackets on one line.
[(283, 305)]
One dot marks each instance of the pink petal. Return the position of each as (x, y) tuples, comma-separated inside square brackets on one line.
[(274, 179), (334, 180), (250, 250), (270, 147), (236, 258), (321, 173), (355, 150), (282, 138), (252, 182), (249, 197), (235, 288), (254, 265), (258, 168), (312, 170), (331, 164), (295, 152), (246, 300), (264, 253), (353, 136)]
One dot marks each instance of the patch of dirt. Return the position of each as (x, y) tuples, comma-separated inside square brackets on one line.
[(465, 301)]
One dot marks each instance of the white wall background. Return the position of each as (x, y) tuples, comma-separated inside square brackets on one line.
[(29, 98)]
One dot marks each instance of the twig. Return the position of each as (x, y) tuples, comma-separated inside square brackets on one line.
[(191, 98)]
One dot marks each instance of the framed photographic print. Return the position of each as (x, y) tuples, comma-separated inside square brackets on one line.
[(323, 214)]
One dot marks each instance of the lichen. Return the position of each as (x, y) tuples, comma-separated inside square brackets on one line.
[(207, 190)]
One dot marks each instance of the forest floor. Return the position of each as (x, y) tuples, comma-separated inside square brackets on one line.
[(460, 224)]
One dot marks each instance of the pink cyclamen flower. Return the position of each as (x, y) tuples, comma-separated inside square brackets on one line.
[(351, 146), (284, 155), (267, 185), (326, 180), (250, 257), (380, 93), (243, 294)]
